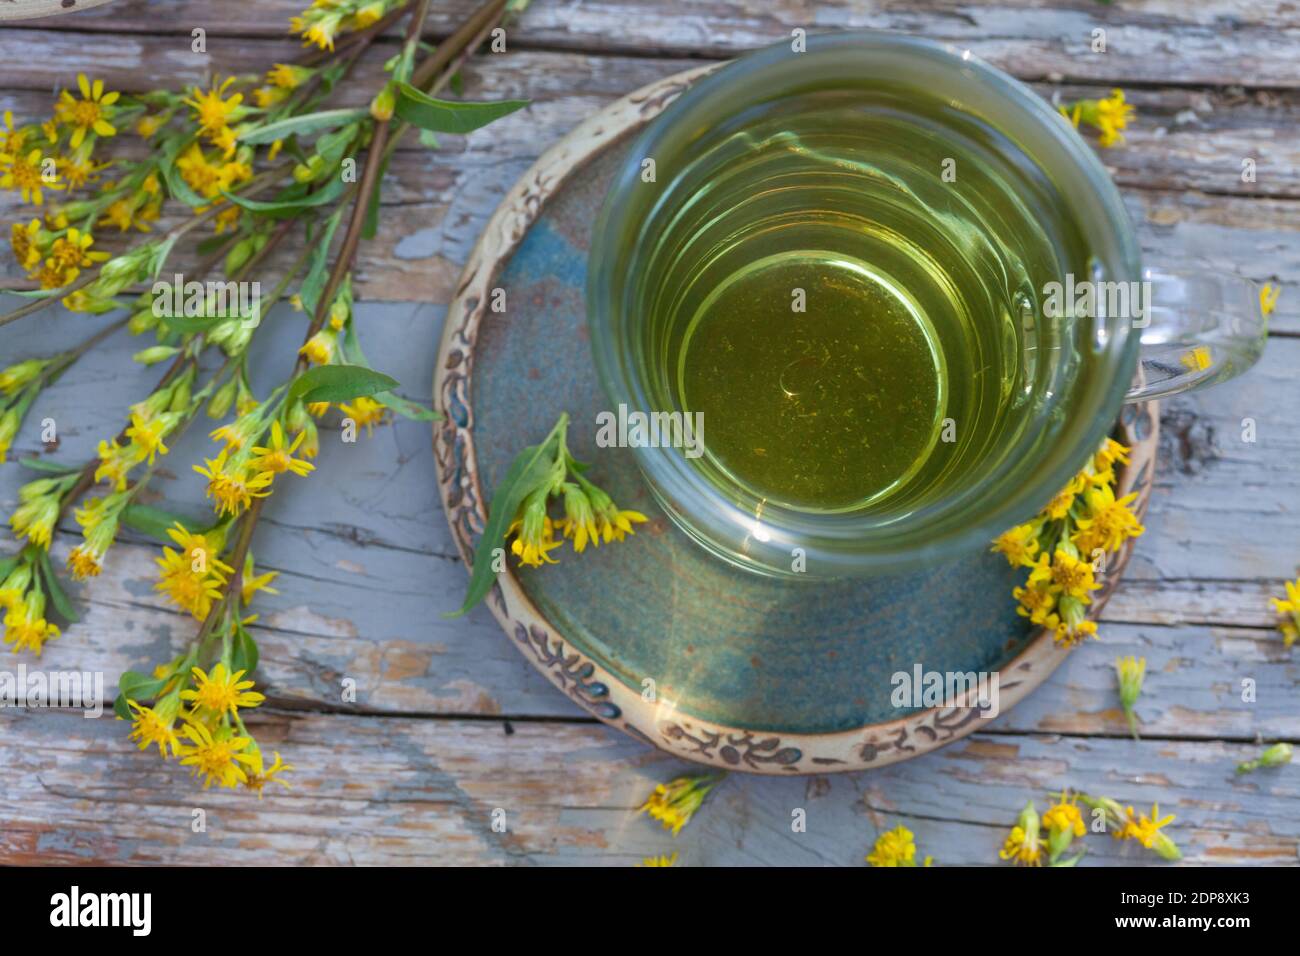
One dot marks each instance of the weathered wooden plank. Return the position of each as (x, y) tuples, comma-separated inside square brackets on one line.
[(369, 567), (370, 791), (1220, 43)]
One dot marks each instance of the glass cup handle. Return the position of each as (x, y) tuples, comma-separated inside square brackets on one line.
[(1200, 328)]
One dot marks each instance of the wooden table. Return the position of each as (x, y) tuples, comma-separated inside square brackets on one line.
[(450, 723)]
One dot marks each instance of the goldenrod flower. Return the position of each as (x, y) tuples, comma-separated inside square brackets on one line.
[(1277, 755), (1108, 522), (277, 458), (155, 725), (221, 692), (147, 433), (37, 510), (1063, 823), (1130, 672), (116, 462), (1289, 608), (73, 250), (579, 522), (289, 76), (1018, 545), (1037, 604), (1146, 830), (1109, 116), (232, 484), (1064, 574), (674, 804), (89, 114), (192, 582), (321, 348), (29, 243), (1023, 845), (257, 780), (247, 428), (199, 174), (98, 518), (365, 412), (534, 532), (614, 522), (213, 111), (896, 847), (1103, 462), (660, 860), (217, 755), (25, 624), (12, 139), (1268, 294), (54, 274)]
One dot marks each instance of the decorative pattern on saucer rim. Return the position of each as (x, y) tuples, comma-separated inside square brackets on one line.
[(580, 677)]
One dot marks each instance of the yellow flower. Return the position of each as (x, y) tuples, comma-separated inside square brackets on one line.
[(660, 860), (1146, 831), (26, 175), (1065, 574), (257, 780), (221, 691), (250, 583), (12, 139), (289, 76), (269, 96), (89, 113), (1108, 522), (365, 412), (54, 274), (1018, 545), (78, 170), (27, 244), (1289, 608), (277, 458), (579, 522), (212, 110), (116, 462), (1037, 604), (320, 348), (192, 581), (232, 485), (147, 434), (1068, 635), (1109, 116), (674, 804), (73, 250), (217, 756), (199, 174), (1104, 461), (98, 519), (154, 726), (895, 847), (1268, 294), (25, 624), (37, 511), (147, 126), (1023, 845), (1064, 817)]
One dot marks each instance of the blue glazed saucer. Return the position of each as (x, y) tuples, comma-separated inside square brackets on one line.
[(654, 635)]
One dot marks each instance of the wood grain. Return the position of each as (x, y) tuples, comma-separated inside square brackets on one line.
[(450, 722)]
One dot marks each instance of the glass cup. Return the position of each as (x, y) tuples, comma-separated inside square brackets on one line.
[(1040, 381)]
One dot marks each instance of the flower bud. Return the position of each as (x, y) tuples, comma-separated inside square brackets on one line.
[(155, 354)]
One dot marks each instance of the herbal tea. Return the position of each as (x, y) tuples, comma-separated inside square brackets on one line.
[(849, 299)]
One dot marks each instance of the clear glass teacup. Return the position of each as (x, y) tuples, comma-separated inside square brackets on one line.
[(898, 297)]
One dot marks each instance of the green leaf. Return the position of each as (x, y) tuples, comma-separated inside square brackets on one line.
[(321, 197), (449, 116), (314, 282), (54, 589), (529, 471), (53, 468), (338, 383), (371, 225), (407, 409), (7, 565), (244, 655), (301, 125), (136, 686), (156, 522)]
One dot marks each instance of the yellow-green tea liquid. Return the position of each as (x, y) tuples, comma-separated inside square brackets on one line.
[(819, 378)]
